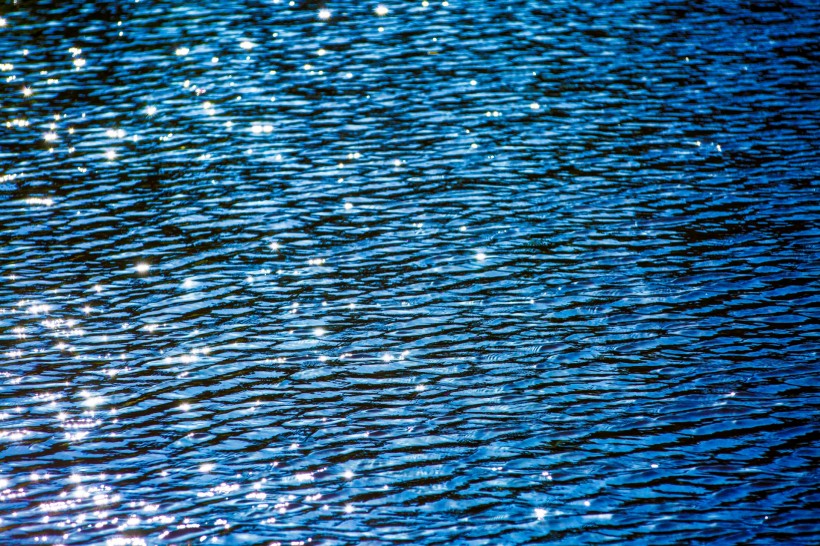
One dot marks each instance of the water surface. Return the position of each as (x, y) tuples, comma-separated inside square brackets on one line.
[(507, 272)]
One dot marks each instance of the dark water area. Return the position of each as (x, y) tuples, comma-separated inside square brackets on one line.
[(470, 272)]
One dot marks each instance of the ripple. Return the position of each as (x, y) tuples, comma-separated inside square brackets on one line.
[(432, 272)]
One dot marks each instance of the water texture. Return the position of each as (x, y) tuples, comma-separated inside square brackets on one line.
[(465, 272)]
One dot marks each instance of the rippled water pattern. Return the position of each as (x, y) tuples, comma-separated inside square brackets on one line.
[(465, 272)]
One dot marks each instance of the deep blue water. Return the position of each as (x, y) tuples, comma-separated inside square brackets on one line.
[(508, 272)]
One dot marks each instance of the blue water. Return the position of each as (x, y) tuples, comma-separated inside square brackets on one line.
[(463, 272)]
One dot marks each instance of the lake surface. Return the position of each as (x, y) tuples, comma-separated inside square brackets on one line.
[(507, 272)]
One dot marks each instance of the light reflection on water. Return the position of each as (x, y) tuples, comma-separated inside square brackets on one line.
[(418, 272)]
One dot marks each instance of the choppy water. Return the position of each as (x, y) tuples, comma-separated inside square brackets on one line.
[(497, 272)]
